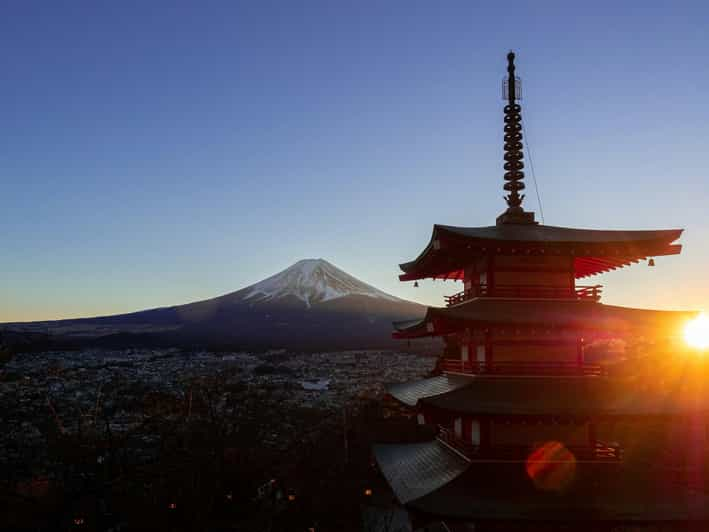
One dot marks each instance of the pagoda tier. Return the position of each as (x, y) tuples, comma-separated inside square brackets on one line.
[(551, 449), (503, 492), (563, 397), (534, 336), (596, 319), (487, 418), (580, 252)]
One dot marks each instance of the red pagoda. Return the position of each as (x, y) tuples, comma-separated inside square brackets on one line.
[(531, 432)]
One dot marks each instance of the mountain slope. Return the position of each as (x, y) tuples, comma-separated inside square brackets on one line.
[(310, 305)]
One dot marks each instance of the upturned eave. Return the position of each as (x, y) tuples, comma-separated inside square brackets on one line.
[(451, 249)]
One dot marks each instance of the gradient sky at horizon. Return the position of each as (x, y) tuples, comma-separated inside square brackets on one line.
[(156, 153)]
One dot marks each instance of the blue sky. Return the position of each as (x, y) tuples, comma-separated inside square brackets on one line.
[(157, 153)]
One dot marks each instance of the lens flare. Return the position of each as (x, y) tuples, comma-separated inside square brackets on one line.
[(551, 466), (696, 332)]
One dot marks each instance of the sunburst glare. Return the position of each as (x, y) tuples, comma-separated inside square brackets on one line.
[(696, 332)]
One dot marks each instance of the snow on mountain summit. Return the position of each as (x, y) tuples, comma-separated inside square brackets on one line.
[(312, 281)]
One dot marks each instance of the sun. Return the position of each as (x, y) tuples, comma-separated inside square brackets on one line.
[(696, 332)]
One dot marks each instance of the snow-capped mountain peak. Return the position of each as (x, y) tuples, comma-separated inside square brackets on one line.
[(312, 281)]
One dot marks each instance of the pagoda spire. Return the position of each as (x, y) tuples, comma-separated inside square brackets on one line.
[(513, 150)]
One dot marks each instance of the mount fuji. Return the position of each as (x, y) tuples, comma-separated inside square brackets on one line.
[(312, 281), (310, 305)]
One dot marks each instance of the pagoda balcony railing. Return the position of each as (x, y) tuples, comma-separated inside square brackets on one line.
[(586, 293), (473, 367), (598, 452), (450, 438)]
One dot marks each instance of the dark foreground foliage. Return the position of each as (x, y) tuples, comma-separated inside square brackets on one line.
[(217, 457)]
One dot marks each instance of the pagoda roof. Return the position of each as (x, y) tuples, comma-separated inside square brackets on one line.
[(576, 314), (453, 248), (434, 479), (596, 493), (417, 469), (409, 393), (566, 396)]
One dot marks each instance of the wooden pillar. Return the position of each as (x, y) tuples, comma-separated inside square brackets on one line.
[(572, 275), (471, 277), (490, 275), (592, 433), (485, 433), (475, 432), (488, 348), (579, 353)]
